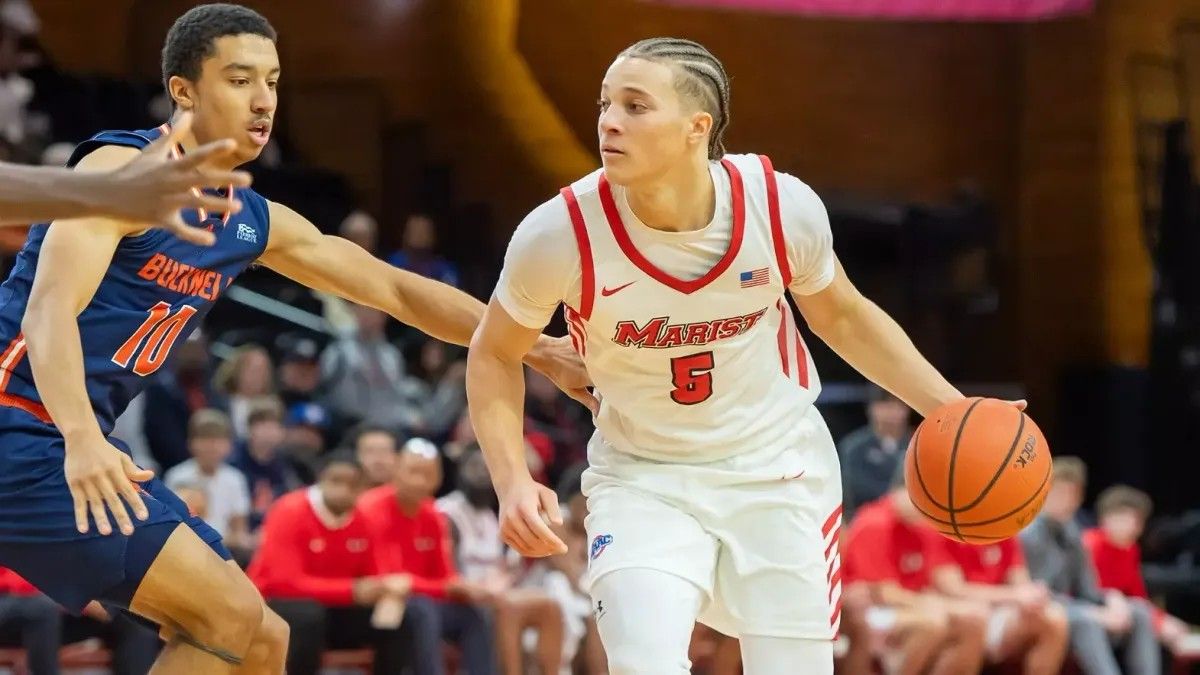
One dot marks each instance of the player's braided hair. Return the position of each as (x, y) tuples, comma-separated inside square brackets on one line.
[(191, 37), (701, 78)]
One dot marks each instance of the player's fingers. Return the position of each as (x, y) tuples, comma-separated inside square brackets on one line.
[(129, 492), (1019, 405), (222, 179), (517, 534), (204, 153), (208, 202), (547, 542), (113, 500), (194, 235), (80, 503), (549, 502), (96, 506), (134, 472), (586, 397), (179, 128)]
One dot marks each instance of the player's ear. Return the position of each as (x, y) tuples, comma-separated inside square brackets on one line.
[(699, 124), (182, 92)]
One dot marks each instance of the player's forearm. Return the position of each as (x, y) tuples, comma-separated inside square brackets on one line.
[(876, 346), (450, 315), (496, 398), (51, 333), (35, 194)]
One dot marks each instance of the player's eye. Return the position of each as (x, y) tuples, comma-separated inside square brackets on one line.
[(239, 81), (602, 104), (272, 84), (637, 107)]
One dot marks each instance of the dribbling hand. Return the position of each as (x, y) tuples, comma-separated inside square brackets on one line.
[(153, 187), (524, 509), (100, 475)]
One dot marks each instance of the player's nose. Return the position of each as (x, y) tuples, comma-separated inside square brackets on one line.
[(609, 122)]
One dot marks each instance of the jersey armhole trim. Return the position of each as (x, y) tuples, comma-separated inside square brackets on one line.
[(587, 270), (777, 239)]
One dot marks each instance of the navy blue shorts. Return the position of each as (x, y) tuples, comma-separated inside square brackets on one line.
[(38, 538)]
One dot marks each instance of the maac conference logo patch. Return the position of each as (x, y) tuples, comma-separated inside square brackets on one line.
[(600, 543)]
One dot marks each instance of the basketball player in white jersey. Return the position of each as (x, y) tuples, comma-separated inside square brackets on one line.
[(713, 489)]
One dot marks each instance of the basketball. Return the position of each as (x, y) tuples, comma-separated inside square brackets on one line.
[(978, 470)]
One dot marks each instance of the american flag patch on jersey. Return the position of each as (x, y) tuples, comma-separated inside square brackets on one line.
[(753, 278)]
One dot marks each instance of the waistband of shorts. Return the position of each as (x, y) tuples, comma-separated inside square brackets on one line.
[(32, 407)]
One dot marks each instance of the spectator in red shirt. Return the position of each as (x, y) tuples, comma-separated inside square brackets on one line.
[(31, 620), (1117, 557), (889, 559), (415, 540), (318, 568), (1024, 622)]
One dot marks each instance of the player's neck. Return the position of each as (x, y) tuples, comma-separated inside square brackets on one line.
[(681, 200), (190, 143)]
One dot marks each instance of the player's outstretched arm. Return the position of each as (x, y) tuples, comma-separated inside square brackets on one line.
[(149, 188), (335, 265), (496, 397), (874, 344), (73, 261)]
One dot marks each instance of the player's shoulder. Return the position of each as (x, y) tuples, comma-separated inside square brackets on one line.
[(112, 144)]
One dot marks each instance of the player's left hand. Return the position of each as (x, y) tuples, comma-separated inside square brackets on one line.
[(525, 508), (1019, 405), (559, 361)]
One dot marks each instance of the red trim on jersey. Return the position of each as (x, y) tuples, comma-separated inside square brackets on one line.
[(787, 326), (587, 294), (777, 240), (831, 521), (576, 330), (801, 354), (635, 256), (10, 358), (32, 407), (832, 529), (783, 326)]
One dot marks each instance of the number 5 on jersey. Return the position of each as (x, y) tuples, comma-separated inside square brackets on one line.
[(692, 377), (150, 344)]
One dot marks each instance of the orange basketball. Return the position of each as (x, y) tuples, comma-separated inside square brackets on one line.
[(978, 469)]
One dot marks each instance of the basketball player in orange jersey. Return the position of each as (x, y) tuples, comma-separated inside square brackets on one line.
[(151, 189), (713, 487)]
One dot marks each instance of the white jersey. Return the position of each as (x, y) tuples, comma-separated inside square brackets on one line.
[(480, 548), (687, 336)]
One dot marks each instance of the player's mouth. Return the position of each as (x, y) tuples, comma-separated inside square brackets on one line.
[(610, 151), (260, 132)]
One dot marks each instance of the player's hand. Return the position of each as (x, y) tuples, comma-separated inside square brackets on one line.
[(1019, 405), (99, 475), (525, 508), (153, 187), (559, 361)]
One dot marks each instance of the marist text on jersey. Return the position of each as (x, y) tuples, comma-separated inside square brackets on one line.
[(659, 333)]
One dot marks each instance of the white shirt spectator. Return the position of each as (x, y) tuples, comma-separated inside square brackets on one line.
[(226, 490)]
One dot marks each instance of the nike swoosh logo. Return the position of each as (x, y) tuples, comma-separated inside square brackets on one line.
[(606, 291)]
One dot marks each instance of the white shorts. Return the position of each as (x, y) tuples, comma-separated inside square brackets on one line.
[(756, 532)]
